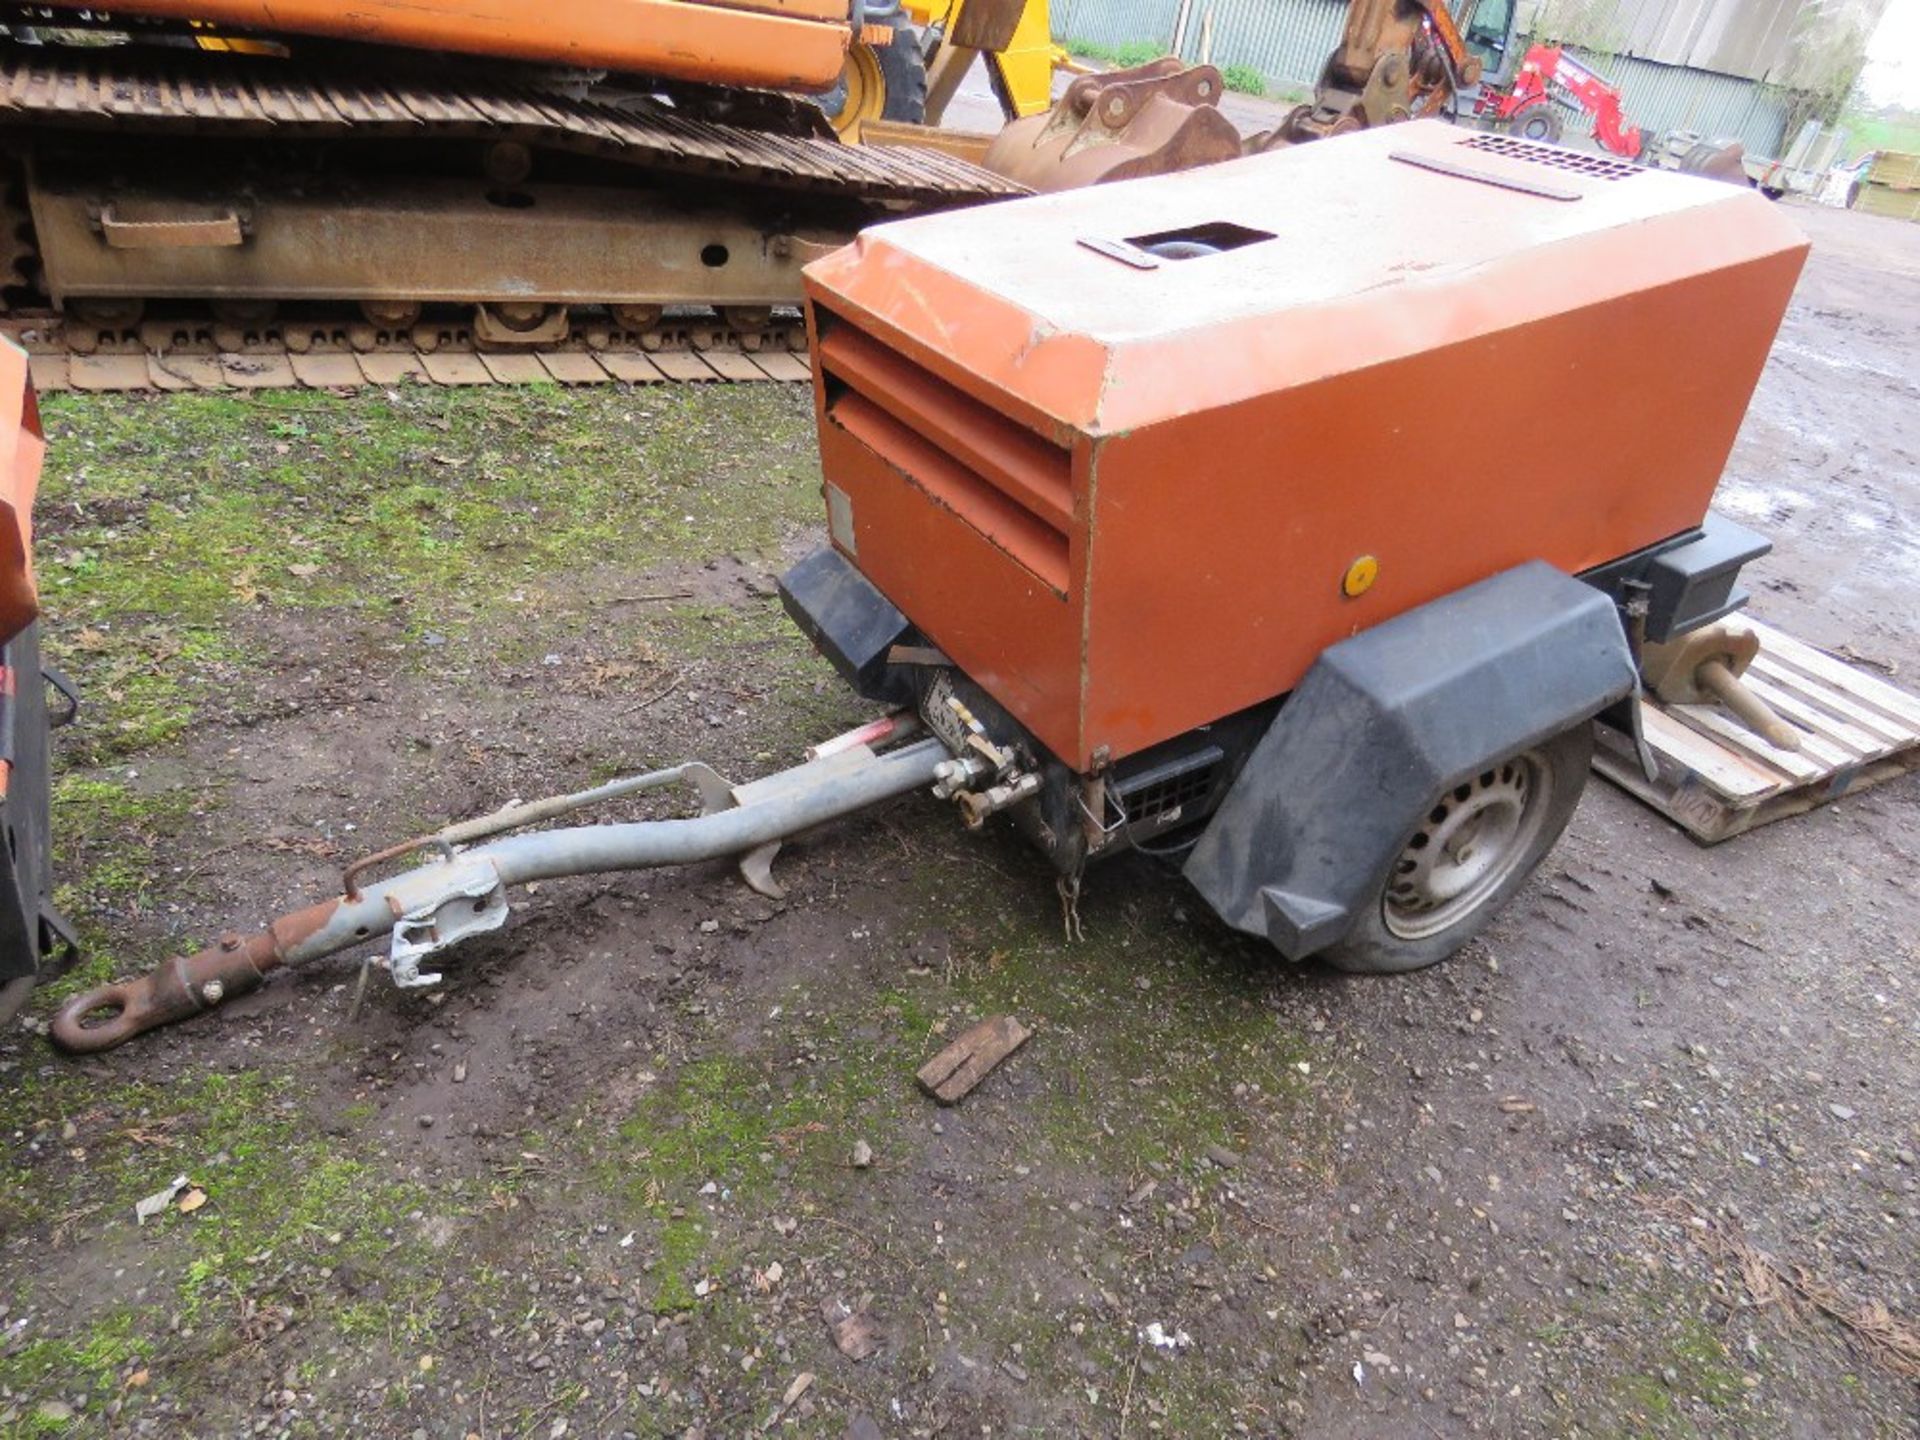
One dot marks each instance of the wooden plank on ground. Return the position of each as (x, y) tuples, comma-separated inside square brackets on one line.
[(951, 1074), (1730, 774), (1803, 764), (1718, 779), (1857, 743), (1862, 687), (1681, 797), (1825, 697)]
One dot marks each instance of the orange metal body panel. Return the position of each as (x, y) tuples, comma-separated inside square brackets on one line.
[(784, 44), (22, 449), (1445, 375)]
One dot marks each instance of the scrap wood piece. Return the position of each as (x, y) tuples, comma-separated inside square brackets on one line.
[(856, 1334), (952, 1074)]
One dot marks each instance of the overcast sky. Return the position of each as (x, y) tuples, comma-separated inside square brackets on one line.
[(1893, 66)]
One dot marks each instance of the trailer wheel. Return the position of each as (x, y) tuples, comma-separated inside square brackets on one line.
[(1467, 856)]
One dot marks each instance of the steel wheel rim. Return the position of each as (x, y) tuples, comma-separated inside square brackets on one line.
[(1468, 845)]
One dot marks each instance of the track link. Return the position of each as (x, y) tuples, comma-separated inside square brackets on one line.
[(140, 92), (125, 363)]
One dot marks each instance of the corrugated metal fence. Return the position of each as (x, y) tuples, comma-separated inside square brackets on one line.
[(1287, 40), (1671, 97)]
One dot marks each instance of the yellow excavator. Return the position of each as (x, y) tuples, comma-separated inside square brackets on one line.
[(911, 75)]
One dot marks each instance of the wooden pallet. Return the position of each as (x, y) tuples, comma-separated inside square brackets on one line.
[(1717, 778)]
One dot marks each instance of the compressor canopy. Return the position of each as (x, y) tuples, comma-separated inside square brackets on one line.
[(1133, 456)]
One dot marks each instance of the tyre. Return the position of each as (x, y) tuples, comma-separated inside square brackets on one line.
[(1467, 856), (1538, 122), (880, 82)]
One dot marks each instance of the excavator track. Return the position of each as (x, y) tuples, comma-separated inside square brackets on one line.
[(266, 362), (144, 242), (205, 94)]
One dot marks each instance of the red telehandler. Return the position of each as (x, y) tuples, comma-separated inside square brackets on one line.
[(1548, 78)]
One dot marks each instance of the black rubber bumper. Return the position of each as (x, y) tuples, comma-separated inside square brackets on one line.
[(850, 622)]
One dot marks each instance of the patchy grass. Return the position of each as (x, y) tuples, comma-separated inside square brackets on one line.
[(285, 1207), (1676, 1378), (110, 833), (1120, 57), (1124, 1081), (1896, 131), (748, 1125), (172, 531), (116, 847), (1145, 1000), (165, 522), (1244, 79)]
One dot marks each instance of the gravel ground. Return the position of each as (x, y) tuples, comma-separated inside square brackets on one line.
[(1638, 1163)]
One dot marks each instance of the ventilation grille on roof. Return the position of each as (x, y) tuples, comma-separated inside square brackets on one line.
[(1578, 161)]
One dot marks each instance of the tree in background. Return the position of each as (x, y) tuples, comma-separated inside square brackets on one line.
[(1823, 63)]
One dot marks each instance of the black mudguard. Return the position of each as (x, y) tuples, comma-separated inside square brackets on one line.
[(1380, 725)]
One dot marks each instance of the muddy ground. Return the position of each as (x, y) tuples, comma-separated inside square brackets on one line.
[(1641, 1163)]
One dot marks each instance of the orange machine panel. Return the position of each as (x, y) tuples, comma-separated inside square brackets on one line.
[(784, 44), (1116, 451), (22, 448)]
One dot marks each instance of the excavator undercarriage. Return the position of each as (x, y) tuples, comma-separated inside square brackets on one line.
[(166, 207)]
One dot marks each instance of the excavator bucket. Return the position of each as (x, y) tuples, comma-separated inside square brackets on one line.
[(1121, 125)]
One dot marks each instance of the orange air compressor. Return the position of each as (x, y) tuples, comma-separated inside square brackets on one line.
[(1295, 515)]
